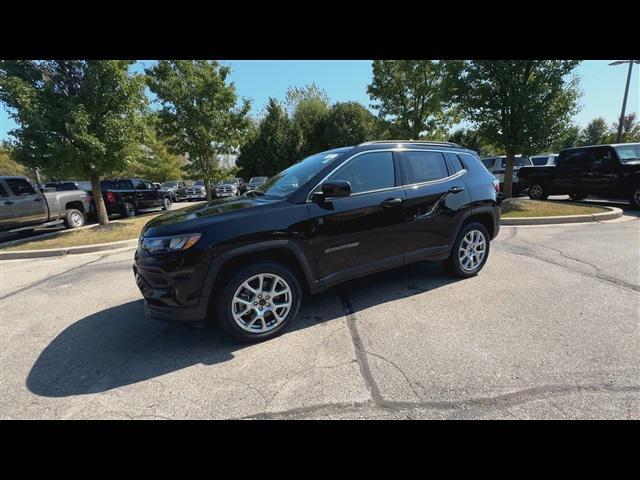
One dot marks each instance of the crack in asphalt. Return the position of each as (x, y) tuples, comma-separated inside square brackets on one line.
[(360, 351), (528, 252), (503, 401)]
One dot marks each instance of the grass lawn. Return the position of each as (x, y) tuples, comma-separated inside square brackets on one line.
[(520, 208), (121, 230)]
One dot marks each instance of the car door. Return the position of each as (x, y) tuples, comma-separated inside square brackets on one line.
[(27, 205), (155, 197), (436, 197), (142, 193), (568, 173), (6, 207), (601, 173), (362, 232)]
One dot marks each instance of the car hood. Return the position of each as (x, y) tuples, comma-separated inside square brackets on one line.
[(191, 218)]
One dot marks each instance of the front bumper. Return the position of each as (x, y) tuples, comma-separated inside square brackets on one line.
[(164, 300)]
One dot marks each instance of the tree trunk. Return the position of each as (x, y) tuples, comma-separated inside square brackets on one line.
[(98, 200), (508, 174), (207, 188)]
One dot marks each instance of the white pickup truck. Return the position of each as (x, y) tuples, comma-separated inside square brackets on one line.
[(24, 207)]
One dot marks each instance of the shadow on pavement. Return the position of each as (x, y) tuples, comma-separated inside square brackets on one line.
[(120, 346)]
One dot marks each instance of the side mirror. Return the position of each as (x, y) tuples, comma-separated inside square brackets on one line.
[(337, 188)]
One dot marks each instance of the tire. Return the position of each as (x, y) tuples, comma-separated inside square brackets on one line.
[(166, 203), (578, 196), (255, 325), (455, 264), (74, 218), (129, 210), (635, 198), (537, 191)]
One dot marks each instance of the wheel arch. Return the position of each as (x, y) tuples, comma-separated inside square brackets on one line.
[(283, 251)]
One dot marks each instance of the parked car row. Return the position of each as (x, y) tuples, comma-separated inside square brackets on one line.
[(22, 206), (606, 171)]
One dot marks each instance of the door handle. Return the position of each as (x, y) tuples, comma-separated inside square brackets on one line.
[(8, 202), (391, 202), (456, 189)]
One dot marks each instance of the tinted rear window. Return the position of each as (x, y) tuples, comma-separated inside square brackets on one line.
[(424, 166), (116, 185)]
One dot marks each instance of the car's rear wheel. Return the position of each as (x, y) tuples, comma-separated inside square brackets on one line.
[(577, 196), (74, 218), (258, 301), (538, 191), (635, 198), (129, 210), (470, 251)]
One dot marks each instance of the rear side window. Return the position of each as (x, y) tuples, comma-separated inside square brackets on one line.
[(455, 162), (20, 187), (574, 158), (369, 171), (424, 166)]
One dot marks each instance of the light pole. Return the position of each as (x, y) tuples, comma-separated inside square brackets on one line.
[(626, 92)]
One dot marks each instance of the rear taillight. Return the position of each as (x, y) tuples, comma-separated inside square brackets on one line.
[(496, 185), (111, 198)]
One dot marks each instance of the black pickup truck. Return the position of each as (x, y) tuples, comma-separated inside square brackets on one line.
[(128, 196), (608, 171)]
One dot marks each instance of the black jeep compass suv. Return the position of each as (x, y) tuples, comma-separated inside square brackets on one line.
[(336, 215)]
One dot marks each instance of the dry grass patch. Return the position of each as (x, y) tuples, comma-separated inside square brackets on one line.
[(521, 207), (116, 230)]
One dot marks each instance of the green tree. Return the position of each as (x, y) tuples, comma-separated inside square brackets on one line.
[(412, 96), (309, 107), (348, 123), (199, 112), (272, 146), (570, 138), (630, 129), (595, 133), (75, 118), (156, 163), (521, 106), (8, 166), (472, 140)]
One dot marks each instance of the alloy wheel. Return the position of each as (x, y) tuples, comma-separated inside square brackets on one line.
[(535, 191), (261, 303), (472, 251), (636, 197), (76, 220)]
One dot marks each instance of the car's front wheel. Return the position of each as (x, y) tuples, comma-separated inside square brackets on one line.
[(166, 203), (538, 191), (470, 251), (258, 301)]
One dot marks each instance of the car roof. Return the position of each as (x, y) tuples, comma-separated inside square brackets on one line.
[(602, 145)]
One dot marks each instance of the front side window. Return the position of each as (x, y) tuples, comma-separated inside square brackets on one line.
[(139, 185), (294, 177), (3, 192), (367, 172), (424, 166), (20, 187)]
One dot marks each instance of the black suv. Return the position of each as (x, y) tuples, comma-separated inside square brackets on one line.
[(339, 214)]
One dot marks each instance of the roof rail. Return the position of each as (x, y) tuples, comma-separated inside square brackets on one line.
[(426, 142)]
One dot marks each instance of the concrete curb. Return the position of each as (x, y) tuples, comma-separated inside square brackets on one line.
[(594, 217), (57, 252)]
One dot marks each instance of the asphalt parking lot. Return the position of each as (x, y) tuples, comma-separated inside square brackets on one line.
[(550, 329)]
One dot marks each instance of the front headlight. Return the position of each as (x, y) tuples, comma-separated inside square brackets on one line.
[(174, 243)]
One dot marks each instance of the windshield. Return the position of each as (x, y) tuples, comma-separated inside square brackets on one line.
[(627, 153), (289, 180), (518, 162), (199, 183), (233, 181), (170, 184), (258, 179)]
